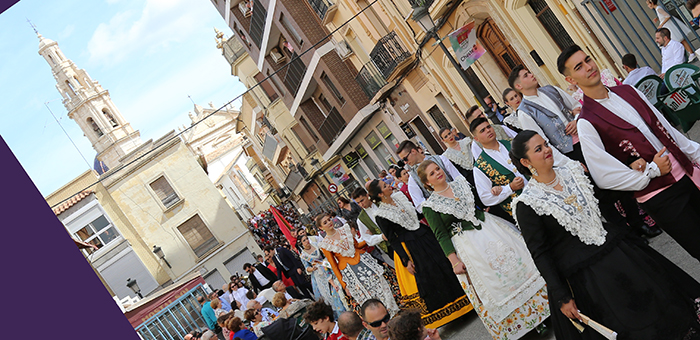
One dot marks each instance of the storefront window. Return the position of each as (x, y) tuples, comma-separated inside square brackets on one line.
[(388, 136), (368, 160), (379, 149)]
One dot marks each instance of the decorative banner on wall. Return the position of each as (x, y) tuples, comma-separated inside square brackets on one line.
[(338, 174), (465, 45)]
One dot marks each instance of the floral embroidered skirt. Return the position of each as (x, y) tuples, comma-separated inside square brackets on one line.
[(366, 280)]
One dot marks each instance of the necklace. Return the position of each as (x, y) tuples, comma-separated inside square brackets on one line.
[(553, 182), (443, 190)]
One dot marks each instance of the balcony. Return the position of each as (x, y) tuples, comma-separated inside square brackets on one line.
[(388, 54), (332, 126), (324, 9), (295, 73), (370, 79)]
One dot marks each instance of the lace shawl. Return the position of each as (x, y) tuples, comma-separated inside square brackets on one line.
[(575, 207), (462, 158), (403, 213), (462, 206), (345, 245)]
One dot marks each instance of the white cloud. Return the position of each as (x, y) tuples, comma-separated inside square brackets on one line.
[(67, 32), (159, 23)]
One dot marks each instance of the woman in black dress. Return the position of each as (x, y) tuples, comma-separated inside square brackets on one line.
[(348, 210), (596, 267), (425, 276)]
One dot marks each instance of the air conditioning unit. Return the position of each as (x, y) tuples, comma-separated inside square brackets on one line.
[(343, 49), (246, 8), (277, 57)]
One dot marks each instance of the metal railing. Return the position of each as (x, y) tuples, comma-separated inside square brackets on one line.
[(320, 7), (332, 126), (388, 53), (370, 79)]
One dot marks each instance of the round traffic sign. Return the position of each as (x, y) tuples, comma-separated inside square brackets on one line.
[(332, 188)]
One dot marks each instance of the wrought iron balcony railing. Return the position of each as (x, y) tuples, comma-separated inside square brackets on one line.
[(320, 7), (370, 79), (388, 53)]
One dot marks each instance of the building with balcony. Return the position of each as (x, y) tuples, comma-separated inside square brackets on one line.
[(143, 196)]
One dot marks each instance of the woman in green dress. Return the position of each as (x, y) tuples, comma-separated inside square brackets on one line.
[(488, 255)]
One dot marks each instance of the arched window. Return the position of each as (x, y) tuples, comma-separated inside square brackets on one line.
[(76, 80), (70, 87), (110, 118), (51, 59), (94, 126)]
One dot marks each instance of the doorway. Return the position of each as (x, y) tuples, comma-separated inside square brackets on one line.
[(427, 136), (498, 46)]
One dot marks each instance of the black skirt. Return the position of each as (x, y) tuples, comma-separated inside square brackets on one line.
[(635, 291)]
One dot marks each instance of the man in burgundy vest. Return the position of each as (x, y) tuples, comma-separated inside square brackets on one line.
[(629, 146)]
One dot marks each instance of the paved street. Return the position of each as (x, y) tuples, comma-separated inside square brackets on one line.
[(470, 327)]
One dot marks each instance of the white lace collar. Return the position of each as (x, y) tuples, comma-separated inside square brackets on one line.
[(344, 246), (575, 207), (464, 157), (462, 206), (403, 213)]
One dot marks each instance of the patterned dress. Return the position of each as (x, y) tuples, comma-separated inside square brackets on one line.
[(322, 276), (363, 276), (507, 291)]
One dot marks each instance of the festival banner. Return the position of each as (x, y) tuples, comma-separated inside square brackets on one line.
[(284, 226), (338, 174), (466, 46)]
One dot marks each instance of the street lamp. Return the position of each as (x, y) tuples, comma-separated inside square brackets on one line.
[(421, 15), (131, 283), (159, 252)]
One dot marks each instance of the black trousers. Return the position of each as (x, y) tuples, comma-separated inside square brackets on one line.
[(677, 211)]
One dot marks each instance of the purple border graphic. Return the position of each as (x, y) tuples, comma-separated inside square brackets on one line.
[(50, 289)]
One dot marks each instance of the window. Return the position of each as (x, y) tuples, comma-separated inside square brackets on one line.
[(379, 149), (94, 127), (267, 88), (325, 103), (388, 136), (551, 24), (331, 86), (308, 128), (51, 59), (198, 235), (439, 118), (110, 118), (165, 192), (288, 26), (70, 87), (98, 232), (365, 157)]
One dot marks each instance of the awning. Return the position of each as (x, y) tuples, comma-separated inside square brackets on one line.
[(144, 309), (350, 130)]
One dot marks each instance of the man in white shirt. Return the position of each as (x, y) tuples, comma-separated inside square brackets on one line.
[(412, 155), (672, 52), (547, 110), (634, 73), (369, 231), (502, 132), (630, 146)]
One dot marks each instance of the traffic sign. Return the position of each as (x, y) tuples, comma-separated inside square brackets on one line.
[(332, 188)]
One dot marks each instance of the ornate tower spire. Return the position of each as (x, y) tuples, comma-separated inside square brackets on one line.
[(90, 106)]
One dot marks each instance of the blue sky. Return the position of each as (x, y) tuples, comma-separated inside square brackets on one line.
[(149, 54)]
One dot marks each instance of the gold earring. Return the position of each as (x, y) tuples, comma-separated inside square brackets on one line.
[(532, 169)]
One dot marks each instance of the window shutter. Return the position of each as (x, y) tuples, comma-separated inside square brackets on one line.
[(165, 192), (197, 235)]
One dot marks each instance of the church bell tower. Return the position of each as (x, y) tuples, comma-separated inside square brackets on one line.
[(90, 106)]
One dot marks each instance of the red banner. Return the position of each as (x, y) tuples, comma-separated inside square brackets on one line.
[(142, 313), (284, 226)]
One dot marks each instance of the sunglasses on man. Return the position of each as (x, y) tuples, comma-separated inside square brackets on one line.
[(378, 323)]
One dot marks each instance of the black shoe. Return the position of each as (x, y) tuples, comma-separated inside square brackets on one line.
[(649, 231)]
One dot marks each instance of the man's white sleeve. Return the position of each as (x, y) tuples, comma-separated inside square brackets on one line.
[(450, 168), (365, 235), (416, 193), (483, 188), (607, 171)]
